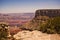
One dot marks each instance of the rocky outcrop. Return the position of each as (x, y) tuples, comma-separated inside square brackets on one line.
[(41, 17), (31, 35), (35, 35)]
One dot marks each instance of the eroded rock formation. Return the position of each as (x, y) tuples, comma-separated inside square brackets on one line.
[(41, 17)]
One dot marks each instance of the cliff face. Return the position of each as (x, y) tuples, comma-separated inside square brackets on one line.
[(44, 14), (47, 12), (41, 17)]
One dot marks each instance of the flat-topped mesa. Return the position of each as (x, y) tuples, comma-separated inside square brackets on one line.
[(47, 12), (41, 18)]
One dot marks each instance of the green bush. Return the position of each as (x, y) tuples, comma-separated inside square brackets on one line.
[(52, 26)]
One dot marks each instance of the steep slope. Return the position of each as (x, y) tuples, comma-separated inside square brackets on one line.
[(41, 17)]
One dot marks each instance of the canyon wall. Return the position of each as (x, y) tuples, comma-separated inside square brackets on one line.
[(41, 17)]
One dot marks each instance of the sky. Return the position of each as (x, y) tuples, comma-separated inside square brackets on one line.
[(24, 6)]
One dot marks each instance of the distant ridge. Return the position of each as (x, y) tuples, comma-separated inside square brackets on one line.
[(15, 19)]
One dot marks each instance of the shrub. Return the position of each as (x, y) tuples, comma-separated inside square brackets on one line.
[(52, 26), (3, 31)]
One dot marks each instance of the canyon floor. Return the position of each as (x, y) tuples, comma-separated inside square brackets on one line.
[(35, 35)]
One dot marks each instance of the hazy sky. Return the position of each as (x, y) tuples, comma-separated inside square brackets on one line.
[(21, 6)]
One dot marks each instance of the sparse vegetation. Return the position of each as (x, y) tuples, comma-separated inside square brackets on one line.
[(52, 26), (3, 31)]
